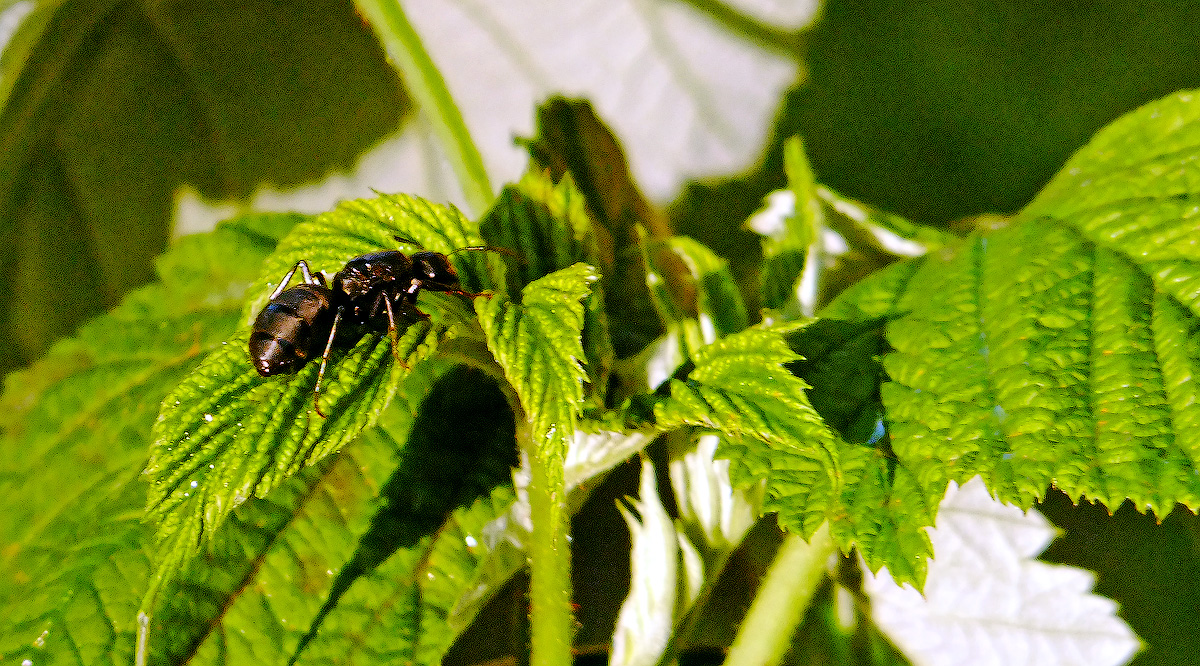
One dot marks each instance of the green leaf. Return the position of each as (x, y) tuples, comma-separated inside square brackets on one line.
[(391, 554), (291, 577), (883, 511), (537, 342), (785, 249), (226, 434), (547, 225), (415, 604), (877, 296), (434, 554), (1030, 370), (269, 568), (718, 303), (840, 360), (75, 428), (1130, 191), (713, 307), (1059, 349), (741, 388), (107, 109)]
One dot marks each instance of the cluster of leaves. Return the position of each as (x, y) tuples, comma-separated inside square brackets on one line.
[(1057, 348)]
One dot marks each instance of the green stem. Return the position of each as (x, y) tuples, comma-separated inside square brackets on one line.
[(782, 598), (761, 33), (426, 84), (549, 565)]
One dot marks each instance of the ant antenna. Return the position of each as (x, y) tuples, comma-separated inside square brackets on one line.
[(484, 248), (470, 248)]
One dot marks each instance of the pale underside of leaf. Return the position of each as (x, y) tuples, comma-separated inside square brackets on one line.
[(988, 600), (688, 97), (647, 616)]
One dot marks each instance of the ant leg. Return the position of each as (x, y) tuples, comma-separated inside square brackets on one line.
[(308, 276), (302, 266), (410, 241), (410, 311), (324, 362), (286, 279), (393, 334)]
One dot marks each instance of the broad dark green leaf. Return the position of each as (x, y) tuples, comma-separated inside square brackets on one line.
[(269, 568), (76, 426), (840, 360), (108, 108), (227, 434), (433, 555), (572, 141)]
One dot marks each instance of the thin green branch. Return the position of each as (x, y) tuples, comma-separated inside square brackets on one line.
[(549, 550), (426, 84), (782, 598), (549, 565), (764, 34)]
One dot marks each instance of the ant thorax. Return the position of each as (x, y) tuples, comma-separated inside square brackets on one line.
[(368, 280)]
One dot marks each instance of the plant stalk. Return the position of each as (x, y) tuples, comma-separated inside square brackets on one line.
[(784, 595), (549, 565), (425, 82)]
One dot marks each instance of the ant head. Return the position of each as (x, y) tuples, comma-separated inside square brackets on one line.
[(435, 271)]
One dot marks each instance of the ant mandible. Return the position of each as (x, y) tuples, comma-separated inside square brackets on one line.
[(371, 292)]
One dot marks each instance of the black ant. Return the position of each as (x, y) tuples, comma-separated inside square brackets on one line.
[(371, 292)]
